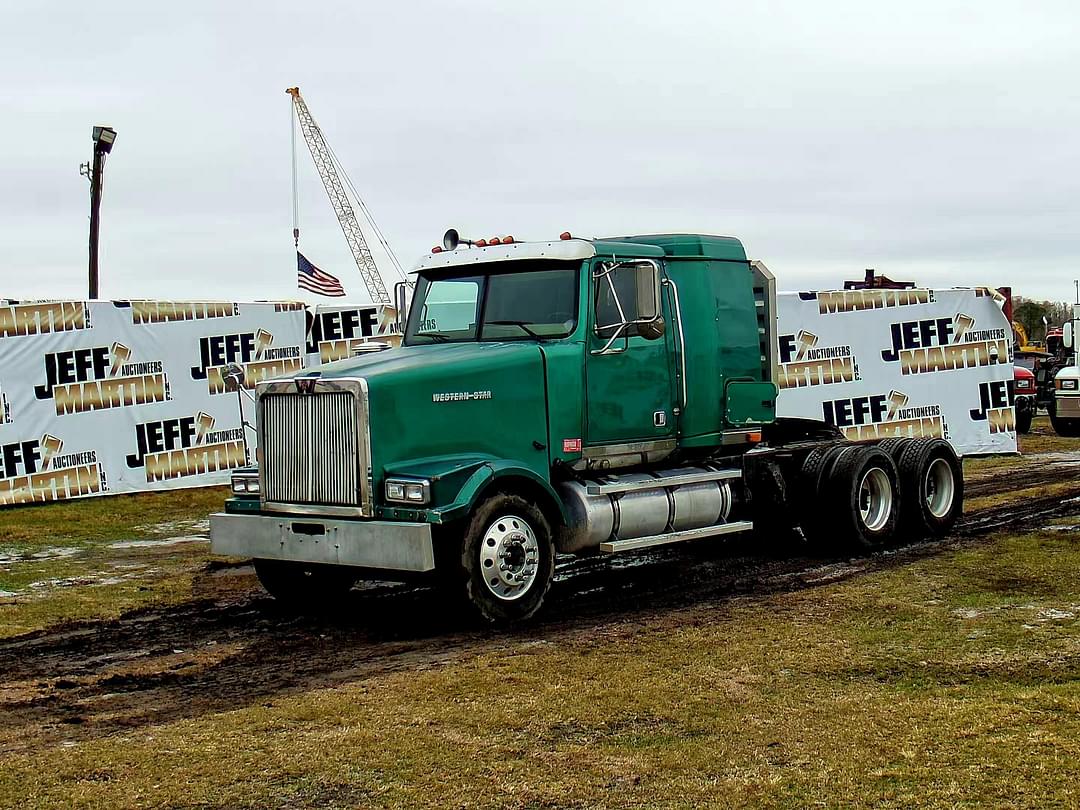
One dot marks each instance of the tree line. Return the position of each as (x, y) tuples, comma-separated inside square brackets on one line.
[(1030, 314)]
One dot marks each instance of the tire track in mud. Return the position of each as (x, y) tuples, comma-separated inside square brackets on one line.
[(90, 679)]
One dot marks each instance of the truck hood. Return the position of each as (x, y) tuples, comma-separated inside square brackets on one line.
[(409, 359), (428, 402)]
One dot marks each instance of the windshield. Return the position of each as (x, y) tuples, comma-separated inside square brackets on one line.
[(520, 300)]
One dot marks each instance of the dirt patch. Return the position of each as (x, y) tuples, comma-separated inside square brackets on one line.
[(233, 646)]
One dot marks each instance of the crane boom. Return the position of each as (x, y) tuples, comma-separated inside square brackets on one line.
[(343, 209)]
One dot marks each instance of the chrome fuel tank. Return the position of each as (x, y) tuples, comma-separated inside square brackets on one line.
[(623, 507)]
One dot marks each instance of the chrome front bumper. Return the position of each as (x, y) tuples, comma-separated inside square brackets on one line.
[(1068, 406), (368, 544)]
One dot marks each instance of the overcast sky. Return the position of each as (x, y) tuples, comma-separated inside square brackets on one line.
[(936, 141)]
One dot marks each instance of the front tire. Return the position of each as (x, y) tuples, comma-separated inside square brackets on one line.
[(305, 585), (1023, 422), (1068, 428), (508, 556)]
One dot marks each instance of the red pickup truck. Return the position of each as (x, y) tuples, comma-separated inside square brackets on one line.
[(1024, 397)]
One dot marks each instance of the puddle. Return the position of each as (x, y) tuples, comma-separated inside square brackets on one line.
[(1053, 614), (178, 527), (968, 613), (93, 580), (172, 541), (57, 553), (1059, 457)]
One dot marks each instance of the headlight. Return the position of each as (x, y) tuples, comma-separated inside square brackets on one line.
[(245, 482), (1065, 385), (402, 490), (1025, 383)]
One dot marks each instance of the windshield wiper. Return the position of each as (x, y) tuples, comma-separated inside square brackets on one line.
[(520, 324), (435, 336)]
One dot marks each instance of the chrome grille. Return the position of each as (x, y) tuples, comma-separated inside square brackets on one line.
[(309, 445)]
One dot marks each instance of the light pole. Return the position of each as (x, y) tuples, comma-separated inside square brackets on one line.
[(103, 138)]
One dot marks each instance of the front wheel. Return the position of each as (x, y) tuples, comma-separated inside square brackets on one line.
[(305, 585), (1023, 422), (509, 559), (1068, 428)]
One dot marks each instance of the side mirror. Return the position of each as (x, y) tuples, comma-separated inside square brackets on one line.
[(401, 304), (648, 293), (232, 376), (370, 347), (1067, 335), (653, 330)]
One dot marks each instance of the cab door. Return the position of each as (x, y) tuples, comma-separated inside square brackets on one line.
[(629, 373)]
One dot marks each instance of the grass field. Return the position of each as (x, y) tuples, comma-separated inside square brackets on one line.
[(98, 557), (944, 679)]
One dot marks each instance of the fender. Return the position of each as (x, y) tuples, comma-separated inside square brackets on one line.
[(489, 473)]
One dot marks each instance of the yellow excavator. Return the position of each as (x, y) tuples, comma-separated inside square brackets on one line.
[(1020, 339)]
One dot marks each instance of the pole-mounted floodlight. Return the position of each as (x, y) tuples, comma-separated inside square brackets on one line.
[(103, 138)]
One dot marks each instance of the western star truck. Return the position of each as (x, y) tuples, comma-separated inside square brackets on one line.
[(567, 397), (1064, 407)]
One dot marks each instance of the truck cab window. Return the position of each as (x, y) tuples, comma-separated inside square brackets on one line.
[(519, 300), (448, 311), (541, 303)]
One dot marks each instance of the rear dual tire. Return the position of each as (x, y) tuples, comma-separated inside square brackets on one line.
[(866, 497), (932, 483), (862, 492)]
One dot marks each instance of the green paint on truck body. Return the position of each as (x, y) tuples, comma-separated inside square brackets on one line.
[(472, 415)]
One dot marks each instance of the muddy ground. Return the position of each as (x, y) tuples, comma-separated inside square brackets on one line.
[(230, 645)]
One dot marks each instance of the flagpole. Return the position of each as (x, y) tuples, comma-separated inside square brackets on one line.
[(295, 195)]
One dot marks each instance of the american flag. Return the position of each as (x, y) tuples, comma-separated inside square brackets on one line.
[(309, 277)]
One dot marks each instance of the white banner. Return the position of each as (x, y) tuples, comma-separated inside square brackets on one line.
[(125, 396), (122, 396), (878, 363), (338, 331)]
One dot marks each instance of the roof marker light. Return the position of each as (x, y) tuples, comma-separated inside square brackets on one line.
[(508, 240), (436, 249), (494, 240), (565, 235), (480, 243)]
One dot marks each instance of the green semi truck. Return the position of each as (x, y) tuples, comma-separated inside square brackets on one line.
[(577, 396)]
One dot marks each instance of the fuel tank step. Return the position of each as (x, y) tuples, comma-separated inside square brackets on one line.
[(615, 546)]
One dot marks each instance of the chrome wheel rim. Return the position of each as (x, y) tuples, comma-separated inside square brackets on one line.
[(875, 499), (940, 488), (509, 558)]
